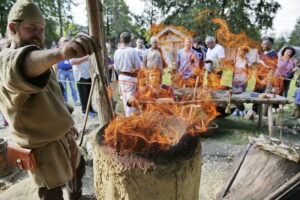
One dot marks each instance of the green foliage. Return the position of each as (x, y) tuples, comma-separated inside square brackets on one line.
[(295, 35), (116, 18), (248, 16), (4, 10), (57, 13), (280, 42)]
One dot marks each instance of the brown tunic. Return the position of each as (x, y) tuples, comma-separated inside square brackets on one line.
[(38, 117)]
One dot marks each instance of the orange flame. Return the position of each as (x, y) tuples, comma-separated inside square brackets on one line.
[(160, 121)]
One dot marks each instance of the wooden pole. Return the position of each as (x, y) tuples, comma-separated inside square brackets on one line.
[(104, 105), (270, 120), (260, 113)]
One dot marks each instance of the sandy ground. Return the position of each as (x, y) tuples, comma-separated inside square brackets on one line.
[(217, 160)]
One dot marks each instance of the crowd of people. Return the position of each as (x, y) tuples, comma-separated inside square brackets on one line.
[(273, 71), (34, 103)]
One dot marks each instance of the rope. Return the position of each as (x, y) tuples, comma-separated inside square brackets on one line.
[(81, 83)]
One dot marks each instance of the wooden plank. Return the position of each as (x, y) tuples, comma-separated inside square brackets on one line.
[(235, 169), (286, 188), (284, 149), (260, 174)]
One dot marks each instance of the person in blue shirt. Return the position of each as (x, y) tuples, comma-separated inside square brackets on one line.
[(65, 73), (296, 112)]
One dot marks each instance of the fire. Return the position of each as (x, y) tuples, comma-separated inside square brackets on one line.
[(162, 119)]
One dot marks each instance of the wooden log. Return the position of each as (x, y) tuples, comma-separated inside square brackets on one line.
[(233, 100), (170, 174), (287, 150), (260, 174)]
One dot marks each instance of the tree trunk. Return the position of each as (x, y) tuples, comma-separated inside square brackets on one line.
[(172, 174)]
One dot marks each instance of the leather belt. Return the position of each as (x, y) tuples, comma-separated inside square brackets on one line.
[(131, 74)]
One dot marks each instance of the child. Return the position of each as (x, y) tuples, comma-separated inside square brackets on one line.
[(241, 77), (296, 112)]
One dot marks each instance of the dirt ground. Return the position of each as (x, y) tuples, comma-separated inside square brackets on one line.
[(217, 161)]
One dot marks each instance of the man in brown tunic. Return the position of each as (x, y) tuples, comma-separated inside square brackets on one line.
[(31, 100)]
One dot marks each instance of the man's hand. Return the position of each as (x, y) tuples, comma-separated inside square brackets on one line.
[(78, 47)]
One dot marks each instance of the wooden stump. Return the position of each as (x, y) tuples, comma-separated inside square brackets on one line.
[(160, 175), (5, 168), (259, 174)]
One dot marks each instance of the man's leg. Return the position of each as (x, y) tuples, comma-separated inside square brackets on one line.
[(81, 93), (72, 86), (50, 194), (127, 90), (62, 77), (76, 192)]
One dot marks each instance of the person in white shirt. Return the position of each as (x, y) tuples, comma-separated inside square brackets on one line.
[(214, 56), (82, 76), (127, 63), (140, 47)]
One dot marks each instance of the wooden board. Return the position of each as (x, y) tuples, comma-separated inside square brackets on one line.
[(260, 174)]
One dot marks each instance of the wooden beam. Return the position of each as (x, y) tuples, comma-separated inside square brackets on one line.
[(104, 105)]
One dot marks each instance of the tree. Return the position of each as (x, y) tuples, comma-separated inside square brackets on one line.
[(117, 18), (295, 35), (57, 15), (241, 15)]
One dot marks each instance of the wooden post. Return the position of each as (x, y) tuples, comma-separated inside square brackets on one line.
[(270, 120), (260, 113), (98, 63)]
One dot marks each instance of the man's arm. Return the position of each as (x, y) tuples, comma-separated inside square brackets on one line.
[(79, 60), (39, 61)]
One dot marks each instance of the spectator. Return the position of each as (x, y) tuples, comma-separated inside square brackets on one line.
[(155, 57), (296, 112), (241, 71), (127, 63), (65, 73), (241, 77), (186, 62), (266, 64), (286, 68), (199, 47), (214, 56), (201, 51), (83, 78), (140, 47), (112, 75)]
